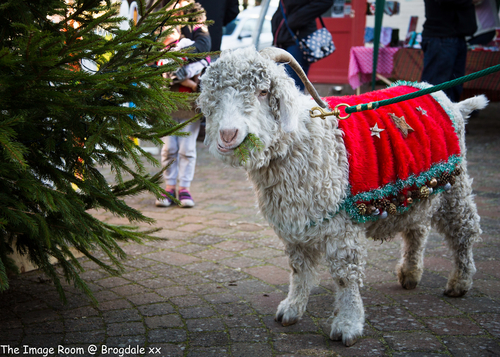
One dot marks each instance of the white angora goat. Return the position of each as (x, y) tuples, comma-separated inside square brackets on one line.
[(323, 185)]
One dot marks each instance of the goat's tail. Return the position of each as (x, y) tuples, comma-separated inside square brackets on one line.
[(467, 106)]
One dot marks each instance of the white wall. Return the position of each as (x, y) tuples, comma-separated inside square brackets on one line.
[(408, 8)]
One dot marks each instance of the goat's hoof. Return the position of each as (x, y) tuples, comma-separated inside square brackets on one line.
[(409, 284), (350, 341), (409, 279), (455, 293), (286, 314), (336, 336)]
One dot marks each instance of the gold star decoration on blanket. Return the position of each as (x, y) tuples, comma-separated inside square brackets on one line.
[(421, 110), (376, 130), (401, 124)]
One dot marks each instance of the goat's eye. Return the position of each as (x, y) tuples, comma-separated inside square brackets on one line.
[(263, 93)]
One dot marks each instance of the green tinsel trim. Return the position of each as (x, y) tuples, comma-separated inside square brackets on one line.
[(420, 85), (251, 142), (435, 170)]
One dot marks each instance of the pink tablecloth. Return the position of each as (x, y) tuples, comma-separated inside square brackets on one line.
[(361, 63)]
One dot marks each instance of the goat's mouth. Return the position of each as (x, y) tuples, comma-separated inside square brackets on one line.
[(224, 149)]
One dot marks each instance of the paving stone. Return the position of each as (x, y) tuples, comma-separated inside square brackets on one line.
[(197, 312), (222, 298), (125, 329), (202, 267), (167, 335), (86, 337), (145, 298), (156, 309), (114, 305), (155, 322), (186, 301), (262, 253), (125, 341), (43, 340), (251, 350), (475, 305), (172, 258), (112, 282), (418, 354), (363, 348), (156, 283), (243, 321), (168, 271), (214, 254), (212, 288), (265, 304), (270, 274), (45, 327), (454, 326), (390, 318), (472, 347), (249, 335), (173, 291), (233, 246), (298, 342), (234, 309), (207, 239), (190, 248), (225, 275), (204, 325), (427, 305), (83, 324), (208, 339), (125, 315), (490, 322), (250, 286), (208, 352), (414, 341), (130, 289), (189, 280)]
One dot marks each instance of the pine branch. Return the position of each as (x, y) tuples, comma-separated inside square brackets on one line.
[(251, 143)]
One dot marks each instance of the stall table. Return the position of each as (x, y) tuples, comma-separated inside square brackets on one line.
[(407, 63)]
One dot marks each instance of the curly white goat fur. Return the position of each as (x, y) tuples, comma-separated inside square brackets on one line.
[(301, 176)]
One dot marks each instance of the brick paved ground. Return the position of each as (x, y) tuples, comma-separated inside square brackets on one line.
[(211, 284)]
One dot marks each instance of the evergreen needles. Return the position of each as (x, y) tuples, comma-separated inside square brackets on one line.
[(68, 77), (251, 142)]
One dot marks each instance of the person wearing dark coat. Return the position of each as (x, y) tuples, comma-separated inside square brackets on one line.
[(301, 19), (447, 23), (221, 12)]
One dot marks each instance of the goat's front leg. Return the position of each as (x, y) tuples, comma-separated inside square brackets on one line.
[(346, 258), (303, 260)]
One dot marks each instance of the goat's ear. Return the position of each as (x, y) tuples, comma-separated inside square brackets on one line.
[(286, 94)]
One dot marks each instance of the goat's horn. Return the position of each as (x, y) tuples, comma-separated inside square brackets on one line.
[(279, 55)]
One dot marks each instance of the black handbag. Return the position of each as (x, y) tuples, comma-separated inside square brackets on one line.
[(317, 45)]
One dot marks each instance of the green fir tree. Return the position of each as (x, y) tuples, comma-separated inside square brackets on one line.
[(68, 74)]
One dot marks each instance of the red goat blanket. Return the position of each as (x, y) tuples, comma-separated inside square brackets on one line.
[(382, 159)]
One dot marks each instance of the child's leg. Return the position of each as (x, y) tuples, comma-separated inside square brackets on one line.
[(187, 155)]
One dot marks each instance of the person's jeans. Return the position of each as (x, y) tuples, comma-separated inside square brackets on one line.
[(183, 150), (444, 60), (296, 52)]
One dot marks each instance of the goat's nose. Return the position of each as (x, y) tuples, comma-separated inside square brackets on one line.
[(228, 135)]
